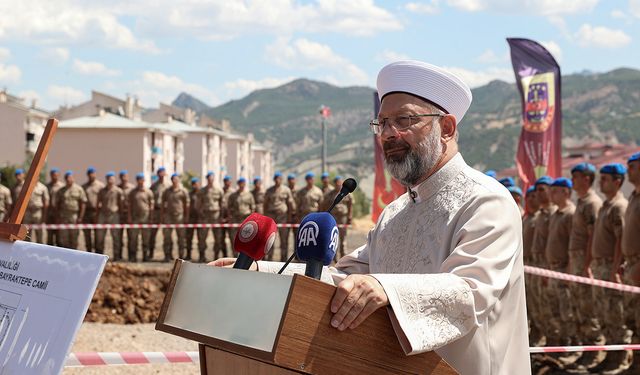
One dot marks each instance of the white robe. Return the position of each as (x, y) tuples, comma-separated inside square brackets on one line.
[(451, 265)]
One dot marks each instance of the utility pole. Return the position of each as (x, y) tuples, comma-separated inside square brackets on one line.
[(325, 112)]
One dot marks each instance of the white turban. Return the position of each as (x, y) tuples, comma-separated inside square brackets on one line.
[(434, 84)]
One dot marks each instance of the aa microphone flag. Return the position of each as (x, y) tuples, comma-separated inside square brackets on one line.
[(538, 80)]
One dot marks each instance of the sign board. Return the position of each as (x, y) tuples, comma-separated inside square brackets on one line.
[(45, 292)]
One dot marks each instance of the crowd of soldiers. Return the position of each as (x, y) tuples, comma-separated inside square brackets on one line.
[(168, 202), (592, 238)]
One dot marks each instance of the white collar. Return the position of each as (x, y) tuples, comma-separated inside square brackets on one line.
[(438, 180)]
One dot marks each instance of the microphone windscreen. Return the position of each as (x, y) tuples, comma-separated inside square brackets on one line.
[(317, 238), (256, 236), (350, 185)]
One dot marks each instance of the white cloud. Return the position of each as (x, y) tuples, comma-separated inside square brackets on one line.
[(68, 22), (56, 55), (387, 56), (533, 7), (600, 36), (241, 87), (9, 73), (65, 94), (93, 68), (155, 87), (304, 54), (4, 53), (423, 8), (476, 78), (553, 48), (490, 57), (634, 8), (29, 95)]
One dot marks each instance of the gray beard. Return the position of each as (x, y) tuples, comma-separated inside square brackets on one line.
[(417, 162)]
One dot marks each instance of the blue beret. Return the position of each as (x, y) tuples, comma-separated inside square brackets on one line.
[(563, 182), (336, 178), (531, 189), (256, 179), (175, 175), (491, 173), (194, 180), (584, 167), (515, 189), (227, 178), (309, 175), (123, 172), (277, 174), (291, 176), (154, 178), (91, 170), (242, 179), (54, 170), (162, 169), (110, 174), (68, 173), (140, 176), (634, 157), (324, 175), (210, 173), (508, 181), (614, 168), (19, 171), (544, 180)]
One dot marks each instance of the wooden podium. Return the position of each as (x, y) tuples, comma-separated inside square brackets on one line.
[(258, 323)]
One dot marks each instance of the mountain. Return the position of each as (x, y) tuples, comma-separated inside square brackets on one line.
[(596, 107)]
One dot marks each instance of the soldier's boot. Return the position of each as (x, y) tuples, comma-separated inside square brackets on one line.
[(201, 257), (132, 256)]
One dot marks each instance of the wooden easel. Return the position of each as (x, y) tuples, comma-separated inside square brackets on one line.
[(13, 230)]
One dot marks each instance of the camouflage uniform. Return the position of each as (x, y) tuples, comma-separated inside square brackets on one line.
[(5, 202), (557, 258), (240, 205), (193, 219), (226, 232), (158, 188), (124, 214), (209, 206), (258, 198), (110, 201), (342, 213), (141, 206), (52, 234), (631, 252), (582, 306), (174, 203), (528, 229), (608, 230), (91, 189), (307, 201), (279, 205), (38, 204), (68, 201)]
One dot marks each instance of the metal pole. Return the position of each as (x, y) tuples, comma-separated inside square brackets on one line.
[(324, 146)]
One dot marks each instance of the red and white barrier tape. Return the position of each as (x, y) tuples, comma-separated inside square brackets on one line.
[(593, 348), (129, 358), (579, 279), (143, 226)]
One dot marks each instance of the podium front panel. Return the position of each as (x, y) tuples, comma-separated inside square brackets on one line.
[(235, 306)]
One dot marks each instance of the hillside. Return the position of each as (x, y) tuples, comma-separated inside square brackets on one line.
[(604, 107)]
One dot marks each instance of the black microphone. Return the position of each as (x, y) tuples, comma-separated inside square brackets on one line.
[(348, 186)]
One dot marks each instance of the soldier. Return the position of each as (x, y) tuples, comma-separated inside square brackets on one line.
[(109, 207), (15, 191), (5, 202), (226, 192), (278, 205), (540, 235), (240, 205), (258, 194), (528, 227), (342, 212), (324, 179), (309, 198), (70, 202), (174, 210), (52, 187), (606, 258), (91, 188), (193, 214), (507, 182), (516, 194), (209, 206), (583, 175), (557, 258), (291, 183), (126, 188), (141, 206), (158, 188), (631, 243), (37, 210)]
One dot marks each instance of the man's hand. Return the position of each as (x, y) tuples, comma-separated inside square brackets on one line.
[(357, 297), (229, 262)]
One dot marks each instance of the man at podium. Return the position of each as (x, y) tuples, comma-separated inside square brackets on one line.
[(446, 257)]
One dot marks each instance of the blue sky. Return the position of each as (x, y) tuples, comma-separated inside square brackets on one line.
[(58, 51)]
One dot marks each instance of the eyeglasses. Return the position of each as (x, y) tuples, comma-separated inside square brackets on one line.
[(399, 123)]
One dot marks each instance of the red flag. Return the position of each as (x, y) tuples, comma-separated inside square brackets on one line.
[(386, 189), (325, 111), (538, 80)]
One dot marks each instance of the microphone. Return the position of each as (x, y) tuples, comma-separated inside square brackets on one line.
[(254, 239), (317, 242), (348, 186)]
